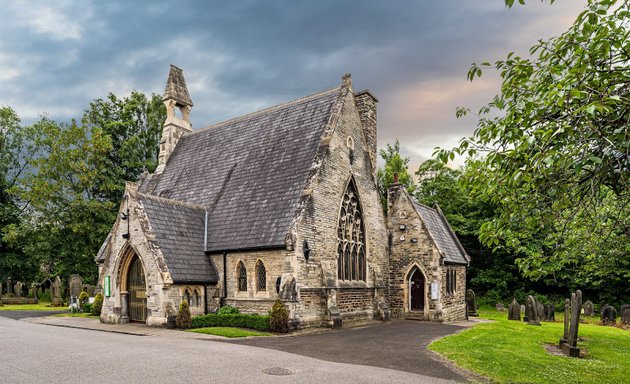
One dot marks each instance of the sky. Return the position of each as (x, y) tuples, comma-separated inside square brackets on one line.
[(242, 56)]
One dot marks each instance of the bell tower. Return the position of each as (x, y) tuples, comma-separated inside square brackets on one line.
[(176, 96)]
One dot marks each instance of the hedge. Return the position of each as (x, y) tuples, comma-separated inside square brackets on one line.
[(257, 322)]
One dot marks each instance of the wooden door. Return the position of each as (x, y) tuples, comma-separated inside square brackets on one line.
[(137, 291), (416, 287)]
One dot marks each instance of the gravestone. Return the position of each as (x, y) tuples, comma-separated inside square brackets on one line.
[(0, 289), (540, 310), (625, 314), (55, 289), (35, 289), (609, 315), (567, 318), (550, 312), (90, 289), (500, 307), (514, 311), (75, 286), (531, 310), (589, 308), (9, 286), (18, 289), (471, 303), (523, 309), (570, 347)]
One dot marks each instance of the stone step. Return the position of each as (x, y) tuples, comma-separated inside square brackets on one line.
[(418, 316)]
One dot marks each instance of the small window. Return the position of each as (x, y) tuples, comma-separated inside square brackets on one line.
[(196, 299), (261, 275), (454, 281), (187, 297), (242, 277)]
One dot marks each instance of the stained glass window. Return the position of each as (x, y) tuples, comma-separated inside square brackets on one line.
[(351, 237), (242, 277), (261, 274)]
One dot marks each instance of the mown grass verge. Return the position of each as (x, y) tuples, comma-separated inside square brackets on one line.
[(42, 306), (514, 352), (228, 332)]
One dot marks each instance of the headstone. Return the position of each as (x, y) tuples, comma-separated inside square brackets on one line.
[(625, 314), (531, 309), (55, 289), (18, 289), (540, 310), (523, 309), (514, 311), (0, 289), (75, 285), (550, 312), (567, 318), (609, 315), (471, 303), (500, 307), (35, 289), (589, 308), (90, 289), (9, 286), (570, 348)]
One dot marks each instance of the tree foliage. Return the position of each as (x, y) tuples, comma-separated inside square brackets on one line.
[(394, 163), (556, 151)]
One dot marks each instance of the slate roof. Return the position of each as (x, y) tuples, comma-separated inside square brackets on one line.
[(442, 234), (176, 87), (249, 172), (179, 231)]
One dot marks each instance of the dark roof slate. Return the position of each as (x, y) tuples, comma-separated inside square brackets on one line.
[(249, 171), (179, 232), (442, 234)]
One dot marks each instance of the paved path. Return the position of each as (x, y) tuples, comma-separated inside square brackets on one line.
[(35, 353), (16, 315), (398, 344)]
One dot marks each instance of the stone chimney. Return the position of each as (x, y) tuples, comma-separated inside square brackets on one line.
[(175, 96), (366, 103)]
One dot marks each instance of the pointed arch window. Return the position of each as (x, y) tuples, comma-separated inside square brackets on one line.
[(351, 237), (261, 276), (242, 277), (197, 298), (187, 297)]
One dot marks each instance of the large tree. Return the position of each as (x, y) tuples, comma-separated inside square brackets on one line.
[(552, 150)]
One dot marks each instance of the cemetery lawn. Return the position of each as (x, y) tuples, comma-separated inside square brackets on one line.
[(79, 314), (228, 332), (42, 306), (514, 352)]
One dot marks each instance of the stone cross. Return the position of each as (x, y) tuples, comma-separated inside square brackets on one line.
[(531, 311), (514, 311), (550, 312), (625, 314), (567, 318), (609, 315), (589, 308), (56, 292), (570, 348), (471, 303)]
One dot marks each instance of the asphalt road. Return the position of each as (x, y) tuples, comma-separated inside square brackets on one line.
[(16, 315), (35, 353)]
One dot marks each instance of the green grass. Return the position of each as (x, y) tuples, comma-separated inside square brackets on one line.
[(80, 314), (42, 306), (228, 332), (513, 352)]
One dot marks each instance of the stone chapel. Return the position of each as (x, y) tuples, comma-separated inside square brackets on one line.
[(280, 203)]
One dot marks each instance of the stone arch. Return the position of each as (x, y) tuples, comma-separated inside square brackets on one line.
[(125, 256), (415, 271), (352, 249)]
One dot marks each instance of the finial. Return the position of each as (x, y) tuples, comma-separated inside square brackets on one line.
[(346, 80)]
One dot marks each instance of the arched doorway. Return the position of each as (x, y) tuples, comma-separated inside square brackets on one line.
[(416, 290), (137, 289)]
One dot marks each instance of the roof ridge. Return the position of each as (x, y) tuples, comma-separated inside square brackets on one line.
[(265, 110), (164, 200)]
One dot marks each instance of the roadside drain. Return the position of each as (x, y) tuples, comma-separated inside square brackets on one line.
[(278, 371)]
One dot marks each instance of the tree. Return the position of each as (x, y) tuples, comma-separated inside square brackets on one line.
[(394, 163), (556, 151)]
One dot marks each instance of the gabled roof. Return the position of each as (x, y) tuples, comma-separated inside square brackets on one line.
[(442, 234), (179, 231), (249, 172)]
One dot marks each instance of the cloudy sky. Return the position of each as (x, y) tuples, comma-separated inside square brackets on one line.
[(241, 56)]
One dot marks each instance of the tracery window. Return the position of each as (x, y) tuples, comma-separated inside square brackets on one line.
[(351, 237), (242, 277), (261, 276)]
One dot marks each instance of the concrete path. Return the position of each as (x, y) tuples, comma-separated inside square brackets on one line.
[(399, 345)]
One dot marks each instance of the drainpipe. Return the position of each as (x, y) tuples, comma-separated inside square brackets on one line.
[(205, 299), (224, 279)]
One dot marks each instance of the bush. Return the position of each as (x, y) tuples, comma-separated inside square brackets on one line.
[(257, 322), (183, 319), (83, 299), (279, 314), (228, 310), (87, 308), (97, 305)]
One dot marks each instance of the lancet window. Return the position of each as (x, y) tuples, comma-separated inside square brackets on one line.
[(351, 237)]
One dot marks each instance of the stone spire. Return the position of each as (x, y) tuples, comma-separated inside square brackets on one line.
[(175, 96)]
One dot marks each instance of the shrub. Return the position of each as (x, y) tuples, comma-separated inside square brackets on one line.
[(257, 322), (83, 299), (97, 305), (87, 308), (228, 310), (183, 319), (279, 321)]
